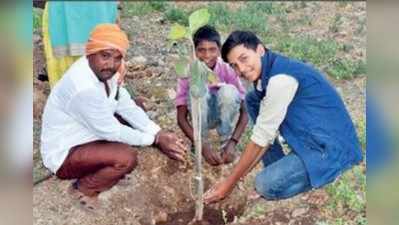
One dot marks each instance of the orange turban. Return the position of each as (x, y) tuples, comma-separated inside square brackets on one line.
[(107, 36)]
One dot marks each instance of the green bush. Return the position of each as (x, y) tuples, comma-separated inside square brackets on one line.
[(349, 191), (361, 27), (268, 8), (248, 18), (245, 138), (334, 27), (177, 15), (159, 5), (361, 132), (361, 68), (360, 220), (321, 53), (136, 8), (307, 49), (251, 16), (221, 17), (37, 18), (346, 69)]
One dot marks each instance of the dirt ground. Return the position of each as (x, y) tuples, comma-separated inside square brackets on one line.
[(160, 189)]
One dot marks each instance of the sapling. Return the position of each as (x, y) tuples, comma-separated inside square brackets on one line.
[(189, 66)]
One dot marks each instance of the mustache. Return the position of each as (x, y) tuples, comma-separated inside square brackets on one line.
[(108, 70)]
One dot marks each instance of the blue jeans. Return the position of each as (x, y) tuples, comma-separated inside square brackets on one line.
[(220, 111), (284, 176)]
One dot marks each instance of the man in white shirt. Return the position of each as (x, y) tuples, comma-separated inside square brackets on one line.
[(90, 122)]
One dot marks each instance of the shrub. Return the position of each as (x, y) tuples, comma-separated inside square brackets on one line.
[(177, 15)]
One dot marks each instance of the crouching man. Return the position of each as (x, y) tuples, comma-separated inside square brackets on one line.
[(90, 123)]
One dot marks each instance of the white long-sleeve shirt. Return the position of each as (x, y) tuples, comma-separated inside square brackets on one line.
[(79, 111), (280, 91)]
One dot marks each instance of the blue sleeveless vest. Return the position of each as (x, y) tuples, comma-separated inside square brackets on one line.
[(317, 125)]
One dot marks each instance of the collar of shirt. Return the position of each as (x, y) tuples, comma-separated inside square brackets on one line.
[(219, 61), (218, 65), (112, 83), (90, 72), (267, 61), (259, 85)]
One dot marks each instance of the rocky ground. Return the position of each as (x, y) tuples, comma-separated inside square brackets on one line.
[(160, 189)]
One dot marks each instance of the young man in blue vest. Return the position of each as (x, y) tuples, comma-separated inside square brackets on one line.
[(294, 100)]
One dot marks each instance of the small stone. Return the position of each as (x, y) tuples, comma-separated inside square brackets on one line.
[(299, 212), (139, 60), (348, 7), (36, 38), (156, 72), (151, 114), (343, 33), (148, 73), (161, 20), (153, 63), (136, 67), (172, 94), (161, 62), (161, 217)]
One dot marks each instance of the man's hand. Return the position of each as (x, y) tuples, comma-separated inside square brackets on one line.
[(218, 192), (169, 144), (211, 156), (229, 152)]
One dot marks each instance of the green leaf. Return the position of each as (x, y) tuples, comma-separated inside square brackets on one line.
[(177, 32), (212, 78), (198, 19), (181, 67), (199, 73), (181, 49)]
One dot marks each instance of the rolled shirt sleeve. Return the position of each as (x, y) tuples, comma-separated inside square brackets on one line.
[(281, 90), (91, 108), (183, 87)]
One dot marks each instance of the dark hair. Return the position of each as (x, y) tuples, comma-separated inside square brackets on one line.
[(246, 38), (206, 33)]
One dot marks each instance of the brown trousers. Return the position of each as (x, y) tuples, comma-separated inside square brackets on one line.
[(98, 165)]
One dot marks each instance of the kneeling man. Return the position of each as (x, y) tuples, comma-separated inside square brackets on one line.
[(90, 123)]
